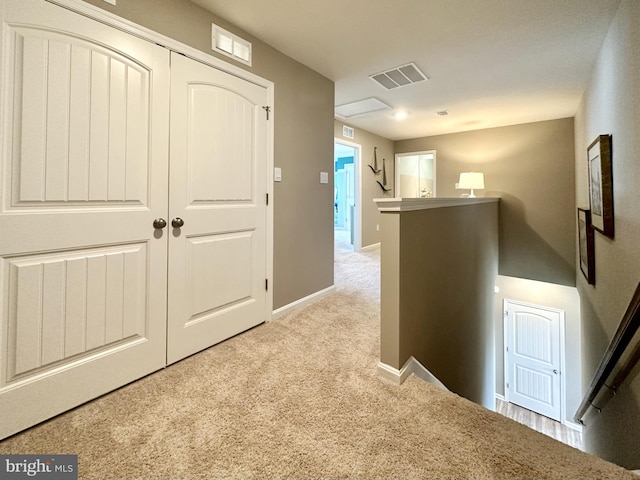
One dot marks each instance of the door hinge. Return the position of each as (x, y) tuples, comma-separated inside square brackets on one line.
[(267, 195), (267, 109), (266, 284), (507, 349), (507, 384)]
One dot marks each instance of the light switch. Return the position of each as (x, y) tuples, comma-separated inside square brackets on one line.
[(277, 174), (324, 177)]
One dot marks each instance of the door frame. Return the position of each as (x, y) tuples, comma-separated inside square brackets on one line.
[(132, 28), (396, 168), (357, 212), (562, 314)]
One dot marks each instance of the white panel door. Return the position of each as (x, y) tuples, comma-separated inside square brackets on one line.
[(217, 257), (83, 174), (533, 358)]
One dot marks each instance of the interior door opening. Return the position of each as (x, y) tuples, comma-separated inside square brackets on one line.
[(416, 174), (346, 212), (534, 358)]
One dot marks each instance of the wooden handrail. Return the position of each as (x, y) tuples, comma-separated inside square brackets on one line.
[(619, 343)]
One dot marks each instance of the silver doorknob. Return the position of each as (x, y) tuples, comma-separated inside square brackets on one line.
[(555, 371), (159, 223), (177, 222)]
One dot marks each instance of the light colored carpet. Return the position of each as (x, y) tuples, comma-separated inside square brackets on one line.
[(300, 398)]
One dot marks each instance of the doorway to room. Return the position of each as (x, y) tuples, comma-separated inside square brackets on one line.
[(346, 204)]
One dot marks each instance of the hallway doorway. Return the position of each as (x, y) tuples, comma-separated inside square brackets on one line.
[(346, 213)]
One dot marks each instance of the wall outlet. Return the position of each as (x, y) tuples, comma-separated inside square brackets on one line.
[(377, 228), (324, 177), (277, 174)]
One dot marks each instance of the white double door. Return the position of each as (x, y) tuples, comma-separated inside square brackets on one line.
[(104, 138)]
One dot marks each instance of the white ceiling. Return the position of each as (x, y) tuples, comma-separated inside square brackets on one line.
[(490, 62)]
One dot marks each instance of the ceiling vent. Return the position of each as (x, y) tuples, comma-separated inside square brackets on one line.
[(399, 76)]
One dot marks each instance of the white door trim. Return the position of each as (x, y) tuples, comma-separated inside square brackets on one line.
[(406, 154), (357, 240), (127, 26), (562, 314)]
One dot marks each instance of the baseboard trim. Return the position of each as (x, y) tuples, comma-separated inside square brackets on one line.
[(370, 247), (314, 297), (393, 374), (573, 426), (411, 366)]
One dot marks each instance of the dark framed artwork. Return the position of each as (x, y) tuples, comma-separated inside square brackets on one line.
[(601, 184), (586, 246)]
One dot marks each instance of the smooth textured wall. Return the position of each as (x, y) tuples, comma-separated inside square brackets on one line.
[(370, 221), (437, 285), (303, 142), (531, 168), (611, 105)]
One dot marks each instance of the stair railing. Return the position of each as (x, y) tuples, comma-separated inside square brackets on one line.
[(617, 347)]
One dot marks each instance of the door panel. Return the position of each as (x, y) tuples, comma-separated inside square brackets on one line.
[(220, 152), (533, 358), (83, 173), (217, 259), (67, 305)]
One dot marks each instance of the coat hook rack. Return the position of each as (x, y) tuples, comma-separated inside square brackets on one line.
[(383, 184), (374, 167)]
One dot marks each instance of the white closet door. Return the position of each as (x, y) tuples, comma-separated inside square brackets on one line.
[(533, 358), (83, 174), (217, 258)]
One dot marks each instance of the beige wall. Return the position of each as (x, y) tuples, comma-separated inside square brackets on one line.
[(531, 168), (438, 269), (303, 143), (611, 105), (369, 188)]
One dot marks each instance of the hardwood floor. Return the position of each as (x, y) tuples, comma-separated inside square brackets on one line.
[(540, 423)]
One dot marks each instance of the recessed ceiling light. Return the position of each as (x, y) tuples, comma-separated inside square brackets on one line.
[(443, 113), (400, 115)]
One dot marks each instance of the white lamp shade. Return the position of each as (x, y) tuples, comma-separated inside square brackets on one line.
[(471, 180)]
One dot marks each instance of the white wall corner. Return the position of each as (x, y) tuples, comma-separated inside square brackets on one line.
[(411, 366), (393, 374)]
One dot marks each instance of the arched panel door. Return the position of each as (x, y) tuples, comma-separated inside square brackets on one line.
[(217, 253), (83, 175)]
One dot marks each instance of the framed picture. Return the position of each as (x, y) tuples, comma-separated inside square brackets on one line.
[(601, 184), (586, 246)]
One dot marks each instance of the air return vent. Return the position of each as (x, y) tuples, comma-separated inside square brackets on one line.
[(399, 76), (226, 43)]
